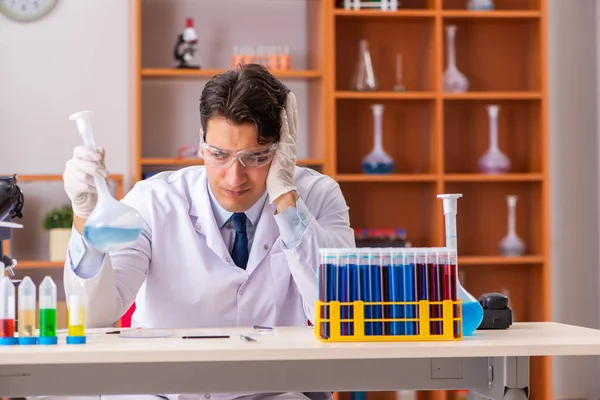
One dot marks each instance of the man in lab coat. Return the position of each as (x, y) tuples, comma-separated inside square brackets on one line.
[(231, 243)]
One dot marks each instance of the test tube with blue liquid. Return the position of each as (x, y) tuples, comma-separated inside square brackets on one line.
[(409, 292), (395, 291), (365, 294)]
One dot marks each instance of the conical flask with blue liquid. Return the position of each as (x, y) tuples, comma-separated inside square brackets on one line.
[(472, 311)]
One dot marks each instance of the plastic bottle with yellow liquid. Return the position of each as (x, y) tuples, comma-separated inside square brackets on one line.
[(76, 317)]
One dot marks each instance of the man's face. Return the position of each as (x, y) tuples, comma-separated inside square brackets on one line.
[(235, 187)]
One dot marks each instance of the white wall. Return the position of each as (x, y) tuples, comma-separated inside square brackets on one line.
[(573, 80), (74, 58)]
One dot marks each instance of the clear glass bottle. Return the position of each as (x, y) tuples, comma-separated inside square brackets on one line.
[(494, 161), (377, 161), (454, 80), (511, 245), (364, 78)]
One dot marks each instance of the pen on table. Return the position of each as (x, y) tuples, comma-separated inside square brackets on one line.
[(266, 328), (247, 338), (113, 332), (206, 337)]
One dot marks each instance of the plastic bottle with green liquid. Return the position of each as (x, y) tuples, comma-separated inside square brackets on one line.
[(47, 299)]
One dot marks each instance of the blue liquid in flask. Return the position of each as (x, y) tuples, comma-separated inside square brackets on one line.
[(104, 238), (378, 168), (472, 315)]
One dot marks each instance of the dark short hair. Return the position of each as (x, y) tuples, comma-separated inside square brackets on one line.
[(248, 94)]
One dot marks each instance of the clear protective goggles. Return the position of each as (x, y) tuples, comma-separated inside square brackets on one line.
[(251, 158)]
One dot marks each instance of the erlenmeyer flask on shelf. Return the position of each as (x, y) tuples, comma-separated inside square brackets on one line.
[(494, 161), (472, 311), (377, 161), (480, 5), (364, 78), (454, 80), (511, 245)]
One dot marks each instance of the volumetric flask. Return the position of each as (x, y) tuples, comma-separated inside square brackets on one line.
[(112, 225)]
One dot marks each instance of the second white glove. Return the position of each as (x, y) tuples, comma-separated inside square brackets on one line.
[(78, 179), (281, 173)]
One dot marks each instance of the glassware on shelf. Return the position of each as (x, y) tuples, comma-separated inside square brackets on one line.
[(472, 311), (494, 161), (399, 87), (480, 5), (364, 78), (454, 80), (377, 161), (511, 245)]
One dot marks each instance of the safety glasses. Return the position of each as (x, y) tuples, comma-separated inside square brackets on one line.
[(251, 158)]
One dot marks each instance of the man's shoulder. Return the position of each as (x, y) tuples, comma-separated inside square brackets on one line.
[(308, 180)]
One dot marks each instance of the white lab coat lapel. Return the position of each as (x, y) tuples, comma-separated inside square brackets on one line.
[(206, 223), (265, 236)]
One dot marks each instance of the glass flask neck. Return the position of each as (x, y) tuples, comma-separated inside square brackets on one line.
[(493, 126), (512, 224), (377, 126), (450, 35)]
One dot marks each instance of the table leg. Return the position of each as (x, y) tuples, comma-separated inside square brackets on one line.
[(508, 379)]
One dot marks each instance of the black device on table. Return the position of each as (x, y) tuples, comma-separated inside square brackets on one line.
[(496, 313)]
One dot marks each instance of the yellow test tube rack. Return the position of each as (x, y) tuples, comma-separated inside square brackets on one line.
[(407, 329)]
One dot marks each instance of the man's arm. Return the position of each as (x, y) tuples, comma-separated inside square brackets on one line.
[(302, 235)]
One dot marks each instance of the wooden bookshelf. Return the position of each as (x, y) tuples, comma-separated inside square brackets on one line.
[(434, 137)]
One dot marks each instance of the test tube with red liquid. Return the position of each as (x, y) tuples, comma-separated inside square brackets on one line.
[(7, 312)]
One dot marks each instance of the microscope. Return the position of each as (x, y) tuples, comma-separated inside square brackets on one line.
[(185, 46), (11, 205)]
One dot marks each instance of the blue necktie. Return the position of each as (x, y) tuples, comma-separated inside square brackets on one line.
[(240, 244)]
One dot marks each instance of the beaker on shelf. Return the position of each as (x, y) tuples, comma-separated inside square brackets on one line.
[(511, 245), (454, 80), (493, 161), (377, 161), (364, 77), (112, 225), (472, 311), (480, 5)]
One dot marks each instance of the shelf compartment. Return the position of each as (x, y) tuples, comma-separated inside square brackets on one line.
[(483, 46), (504, 14), (408, 128), (466, 127), (514, 281), (410, 206), (482, 217), (385, 38), (384, 95), (501, 5), (209, 73)]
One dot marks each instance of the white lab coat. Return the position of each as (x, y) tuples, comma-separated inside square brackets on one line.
[(180, 273)]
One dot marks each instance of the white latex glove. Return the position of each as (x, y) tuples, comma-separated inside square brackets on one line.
[(281, 173), (79, 179)]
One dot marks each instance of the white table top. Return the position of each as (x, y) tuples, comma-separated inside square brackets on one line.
[(299, 343)]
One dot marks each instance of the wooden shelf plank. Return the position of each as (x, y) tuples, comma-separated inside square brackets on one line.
[(498, 260), (386, 178), (39, 264), (384, 95), (199, 161), (209, 73), (500, 14), (516, 177), (493, 95), (339, 12)]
